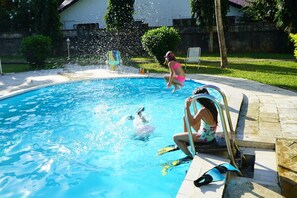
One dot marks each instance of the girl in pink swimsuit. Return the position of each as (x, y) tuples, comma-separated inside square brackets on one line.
[(176, 76)]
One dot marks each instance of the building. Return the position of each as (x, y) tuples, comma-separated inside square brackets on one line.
[(89, 14)]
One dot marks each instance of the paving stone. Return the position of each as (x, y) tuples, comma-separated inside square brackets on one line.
[(286, 150), (272, 129), (240, 187)]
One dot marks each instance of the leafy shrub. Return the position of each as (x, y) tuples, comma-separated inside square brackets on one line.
[(294, 40), (36, 49), (160, 40)]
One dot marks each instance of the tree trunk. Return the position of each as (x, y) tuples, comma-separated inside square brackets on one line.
[(221, 36), (210, 42)]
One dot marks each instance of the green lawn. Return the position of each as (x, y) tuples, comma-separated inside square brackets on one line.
[(15, 64), (274, 69)]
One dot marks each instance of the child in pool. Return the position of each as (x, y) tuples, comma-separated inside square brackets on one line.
[(143, 129)]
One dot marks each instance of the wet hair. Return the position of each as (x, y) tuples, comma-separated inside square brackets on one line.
[(207, 103), (170, 56)]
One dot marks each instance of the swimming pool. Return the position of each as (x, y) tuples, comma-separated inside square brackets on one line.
[(73, 140)]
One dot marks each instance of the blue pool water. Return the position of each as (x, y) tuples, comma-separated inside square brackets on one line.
[(72, 140)]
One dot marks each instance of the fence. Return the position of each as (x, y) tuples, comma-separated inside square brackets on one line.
[(239, 38)]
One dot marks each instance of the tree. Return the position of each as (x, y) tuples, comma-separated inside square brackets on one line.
[(221, 36), (5, 22), (203, 11), (119, 15), (16, 16), (160, 40), (286, 15), (260, 11), (32, 17), (47, 20), (36, 49)]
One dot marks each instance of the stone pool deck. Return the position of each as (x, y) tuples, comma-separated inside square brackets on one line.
[(266, 115)]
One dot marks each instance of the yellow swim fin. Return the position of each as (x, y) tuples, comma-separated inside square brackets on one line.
[(168, 165), (167, 149)]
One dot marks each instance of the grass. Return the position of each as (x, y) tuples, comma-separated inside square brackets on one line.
[(15, 64), (274, 69)]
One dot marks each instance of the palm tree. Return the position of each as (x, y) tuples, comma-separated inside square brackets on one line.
[(221, 36), (203, 11)]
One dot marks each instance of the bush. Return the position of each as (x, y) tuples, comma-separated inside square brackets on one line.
[(294, 40), (160, 40), (36, 49)]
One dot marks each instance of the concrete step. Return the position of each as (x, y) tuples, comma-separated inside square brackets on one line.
[(201, 164), (258, 124)]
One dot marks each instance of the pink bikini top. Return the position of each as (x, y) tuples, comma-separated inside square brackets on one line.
[(175, 66)]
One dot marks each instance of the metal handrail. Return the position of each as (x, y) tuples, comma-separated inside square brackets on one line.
[(194, 98), (222, 92), (223, 120)]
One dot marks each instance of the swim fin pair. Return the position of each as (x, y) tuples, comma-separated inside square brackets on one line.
[(167, 149), (169, 165), (214, 174)]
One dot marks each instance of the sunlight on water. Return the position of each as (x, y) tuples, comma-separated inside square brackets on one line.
[(74, 140)]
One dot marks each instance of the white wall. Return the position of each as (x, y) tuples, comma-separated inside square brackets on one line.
[(153, 12), (161, 12), (234, 11), (84, 11)]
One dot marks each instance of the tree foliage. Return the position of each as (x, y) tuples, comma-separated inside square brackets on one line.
[(294, 40), (47, 20), (31, 17), (4, 17), (260, 11), (203, 11), (286, 15), (36, 49), (16, 16), (119, 15), (160, 40)]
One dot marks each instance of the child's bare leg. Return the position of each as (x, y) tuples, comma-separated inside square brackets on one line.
[(175, 87), (166, 77), (184, 124), (180, 140)]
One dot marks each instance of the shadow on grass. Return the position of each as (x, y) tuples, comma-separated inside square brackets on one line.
[(264, 68), (213, 67)]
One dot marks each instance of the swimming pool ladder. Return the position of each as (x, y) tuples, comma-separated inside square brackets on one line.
[(231, 148)]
